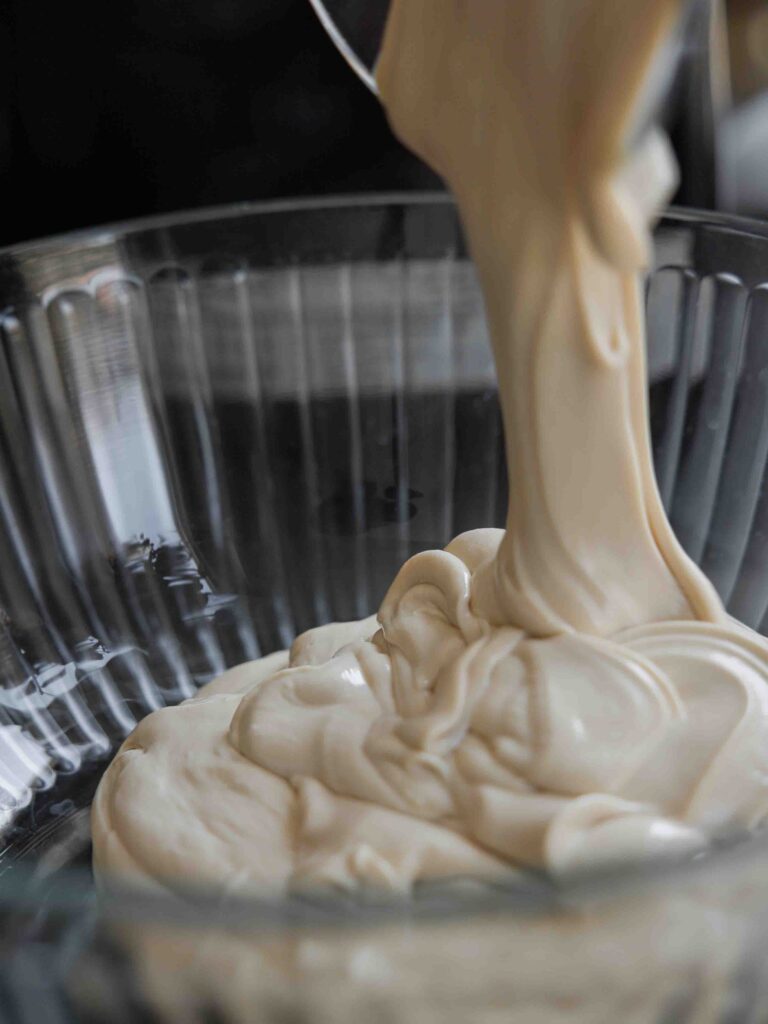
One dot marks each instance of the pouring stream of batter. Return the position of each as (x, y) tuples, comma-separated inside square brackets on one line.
[(564, 692)]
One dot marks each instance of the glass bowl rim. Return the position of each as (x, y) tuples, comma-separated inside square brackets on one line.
[(105, 233)]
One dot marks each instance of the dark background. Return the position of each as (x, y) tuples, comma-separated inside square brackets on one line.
[(112, 109), (116, 108)]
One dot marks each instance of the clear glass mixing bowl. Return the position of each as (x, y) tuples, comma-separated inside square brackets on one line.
[(221, 428)]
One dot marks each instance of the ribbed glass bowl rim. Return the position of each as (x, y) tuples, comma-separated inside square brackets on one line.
[(69, 240), (24, 888)]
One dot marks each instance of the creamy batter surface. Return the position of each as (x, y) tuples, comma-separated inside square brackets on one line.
[(564, 692)]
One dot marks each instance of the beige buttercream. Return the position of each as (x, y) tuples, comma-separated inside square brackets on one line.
[(561, 693)]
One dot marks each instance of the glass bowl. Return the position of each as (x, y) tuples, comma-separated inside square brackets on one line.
[(221, 428)]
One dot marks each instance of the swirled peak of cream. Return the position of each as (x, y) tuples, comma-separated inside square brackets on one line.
[(563, 692)]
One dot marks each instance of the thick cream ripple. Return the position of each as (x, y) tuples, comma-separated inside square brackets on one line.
[(433, 744)]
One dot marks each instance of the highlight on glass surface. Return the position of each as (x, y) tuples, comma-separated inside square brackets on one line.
[(357, 29)]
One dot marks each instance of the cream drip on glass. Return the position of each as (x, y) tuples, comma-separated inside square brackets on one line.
[(567, 691)]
